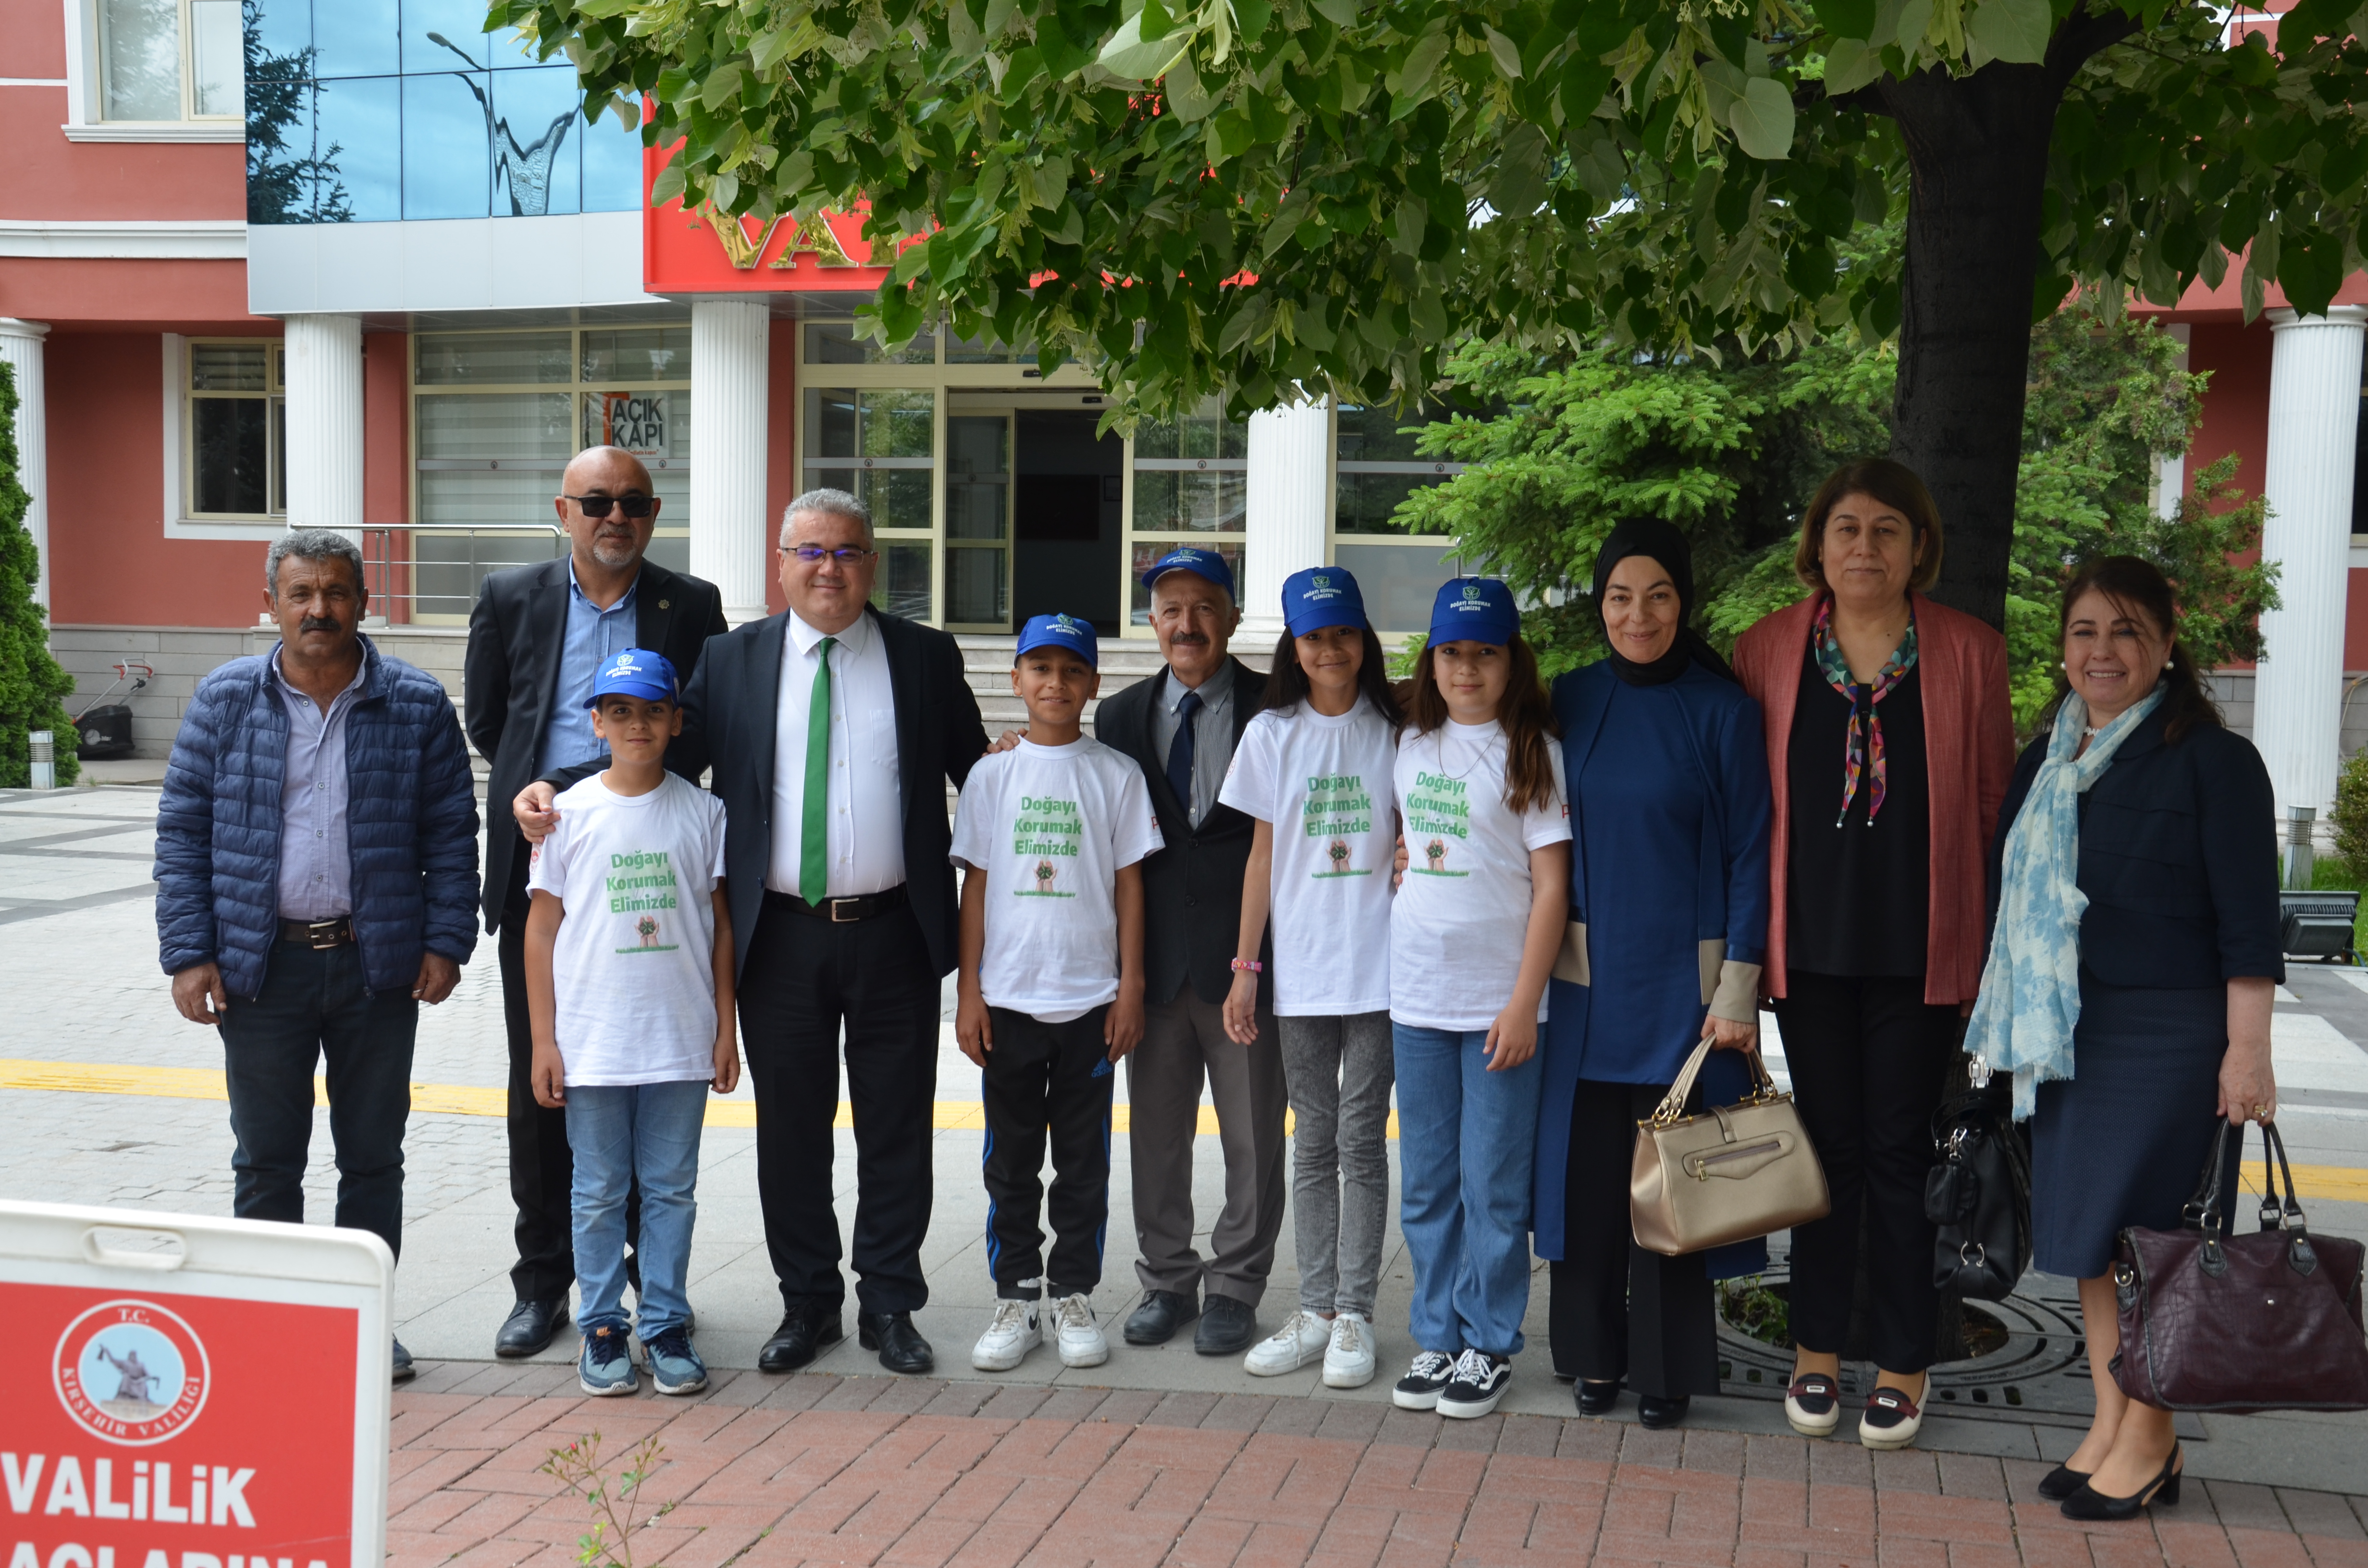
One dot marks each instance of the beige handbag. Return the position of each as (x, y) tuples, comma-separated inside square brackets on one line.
[(1727, 1174)]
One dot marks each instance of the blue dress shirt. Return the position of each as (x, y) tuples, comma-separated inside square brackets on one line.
[(316, 868), (594, 636)]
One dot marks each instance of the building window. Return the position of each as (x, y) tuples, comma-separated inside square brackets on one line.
[(1376, 467), (495, 415), (168, 60), (238, 430), (1192, 486)]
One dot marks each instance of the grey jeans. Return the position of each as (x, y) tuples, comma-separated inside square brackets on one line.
[(1338, 1072)]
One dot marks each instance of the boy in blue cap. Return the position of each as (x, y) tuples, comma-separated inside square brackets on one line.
[(1051, 837), (629, 988)]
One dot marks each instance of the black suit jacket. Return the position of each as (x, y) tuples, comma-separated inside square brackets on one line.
[(1191, 889), (515, 635), (2178, 857), (730, 710)]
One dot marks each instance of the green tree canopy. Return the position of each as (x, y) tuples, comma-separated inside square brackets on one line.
[(31, 684)]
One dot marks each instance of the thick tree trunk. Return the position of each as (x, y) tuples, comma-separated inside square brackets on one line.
[(1977, 157)]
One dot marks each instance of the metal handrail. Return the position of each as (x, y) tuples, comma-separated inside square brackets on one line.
[(392, 576)]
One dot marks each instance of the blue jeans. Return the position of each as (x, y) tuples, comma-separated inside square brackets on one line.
[(314, 1008), (617, 1133), (1467, 1139)]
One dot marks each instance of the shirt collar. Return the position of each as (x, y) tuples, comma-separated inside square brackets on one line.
[(856, 639), (361, 674), (1215, 690), (575, 590)]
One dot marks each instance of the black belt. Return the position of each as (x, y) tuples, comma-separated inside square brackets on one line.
[(841, 911), (318, 934)]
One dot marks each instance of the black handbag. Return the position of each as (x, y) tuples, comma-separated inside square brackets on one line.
[(1978, 1194)]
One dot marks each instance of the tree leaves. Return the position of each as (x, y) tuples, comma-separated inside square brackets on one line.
[(1762, 120), (2013, 30)]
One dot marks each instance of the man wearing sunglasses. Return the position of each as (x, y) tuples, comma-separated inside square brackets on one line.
[(537, 637)]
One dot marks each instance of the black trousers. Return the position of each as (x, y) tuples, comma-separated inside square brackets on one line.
[(542, 1173), (1613, 1309), (1047, 1081), (1869, 1059), (804, 979)]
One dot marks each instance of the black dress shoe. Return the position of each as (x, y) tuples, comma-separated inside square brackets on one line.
[(901, 1346), (1596, 1399), (804, 1332), (2090, 1504), (529, 1327), (2061, 1483), (1661, 1412), (1161, 1314), (1227, 1326)]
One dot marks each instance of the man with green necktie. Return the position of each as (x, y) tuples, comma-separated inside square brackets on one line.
[(832, 729)]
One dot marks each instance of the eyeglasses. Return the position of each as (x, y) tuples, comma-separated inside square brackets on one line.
[(598, 505), (846, 555)]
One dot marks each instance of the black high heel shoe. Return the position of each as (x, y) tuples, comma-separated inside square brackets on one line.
[(2061, 1483), (1597, 1398), (2090, 1504)]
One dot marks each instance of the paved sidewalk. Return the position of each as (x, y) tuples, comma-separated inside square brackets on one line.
[(768, 1473)]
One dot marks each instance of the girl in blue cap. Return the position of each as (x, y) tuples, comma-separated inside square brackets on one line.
[(1315, 764), (1474, 932)]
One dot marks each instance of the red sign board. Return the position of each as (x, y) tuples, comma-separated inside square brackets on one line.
[(704, 252)]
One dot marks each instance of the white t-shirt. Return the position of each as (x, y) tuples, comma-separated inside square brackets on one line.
[(1051, 827), (1322, 783), (634, 963), (1458, 923)]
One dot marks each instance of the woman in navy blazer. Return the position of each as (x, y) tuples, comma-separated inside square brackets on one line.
[(2180, 953)]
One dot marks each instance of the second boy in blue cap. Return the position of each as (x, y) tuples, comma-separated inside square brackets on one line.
[(1051, 837), (628, 987)]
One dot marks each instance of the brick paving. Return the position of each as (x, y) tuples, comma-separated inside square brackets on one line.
[(774, 1472)]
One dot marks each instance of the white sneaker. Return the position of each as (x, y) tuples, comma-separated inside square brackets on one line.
[(1349, 1360), (1079, 1337), (1300, 1340), (1008, 1339)]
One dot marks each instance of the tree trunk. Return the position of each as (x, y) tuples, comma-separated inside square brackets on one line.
[(1978, 158)]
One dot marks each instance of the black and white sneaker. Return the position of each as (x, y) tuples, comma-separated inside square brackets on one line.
[(1419, 1388), (1478, 1383)]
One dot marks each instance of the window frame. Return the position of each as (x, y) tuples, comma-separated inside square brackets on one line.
[(87, 115), (1446, 545), (274, 396)]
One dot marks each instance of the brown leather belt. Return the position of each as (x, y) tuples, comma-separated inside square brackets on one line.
[(841, 911), (318, 934)]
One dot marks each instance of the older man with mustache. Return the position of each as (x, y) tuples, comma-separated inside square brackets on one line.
[(536, 638)]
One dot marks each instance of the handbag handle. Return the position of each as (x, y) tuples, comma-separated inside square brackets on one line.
[(1672, 1107), (2278, 1213)]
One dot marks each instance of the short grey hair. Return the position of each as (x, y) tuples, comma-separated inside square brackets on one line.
[(834, 502), (311, 545)]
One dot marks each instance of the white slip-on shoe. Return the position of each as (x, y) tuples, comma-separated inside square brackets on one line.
[(1350, 1359), (1079, 1337), (1300, 1340), (1891, 1420), (1814, 1404), (1014, 1332)]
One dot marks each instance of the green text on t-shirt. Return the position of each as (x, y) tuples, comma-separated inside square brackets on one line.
[(1338, 806), (1045, 828), (1439, 809), (638, 883)]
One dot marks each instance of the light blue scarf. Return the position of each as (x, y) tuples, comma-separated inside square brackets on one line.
[(2029, 1000)]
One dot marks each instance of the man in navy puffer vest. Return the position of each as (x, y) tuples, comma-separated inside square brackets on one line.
[(316, 881)]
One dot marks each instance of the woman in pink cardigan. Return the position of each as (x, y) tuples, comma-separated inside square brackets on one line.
[(1889, 744)]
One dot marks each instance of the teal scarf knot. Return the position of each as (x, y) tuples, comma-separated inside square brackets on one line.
[(2030, 1001)]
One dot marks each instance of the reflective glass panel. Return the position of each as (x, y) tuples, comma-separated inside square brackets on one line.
[(638, 354), (227, 367), (356, 38), (279, 454), (141, 41), (642, 422), (217, 60), (493, 359), (835, 342), (447, 35), (283, 28), (1398, 580), (978, 477), (974, 587), (500, 425), (1143, 552), (1167, 501), (537, 148), (1203, 433), (448, 569), (899, 497), (612, 165), (1366, 500), (903, 586), (884, 424), (230, 454), (356, 134), (445, 164)]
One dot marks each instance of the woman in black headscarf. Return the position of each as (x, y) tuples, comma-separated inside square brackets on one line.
[(1668, 799)]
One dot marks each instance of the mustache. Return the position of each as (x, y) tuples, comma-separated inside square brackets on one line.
[(1190, 638), (320, 623)]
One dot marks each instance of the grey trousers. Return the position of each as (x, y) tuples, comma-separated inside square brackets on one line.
[(1340, 1071), (1184, 1041)]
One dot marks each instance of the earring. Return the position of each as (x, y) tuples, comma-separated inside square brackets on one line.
[(2170, 664)]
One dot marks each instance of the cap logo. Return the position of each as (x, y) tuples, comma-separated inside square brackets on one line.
[(1471, 592), (1065, 623), (1321, 581)]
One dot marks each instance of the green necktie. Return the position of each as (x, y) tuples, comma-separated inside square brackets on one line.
[(814, 838)]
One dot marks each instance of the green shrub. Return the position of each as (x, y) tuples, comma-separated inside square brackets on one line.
[(2352, 817), (31, 684)]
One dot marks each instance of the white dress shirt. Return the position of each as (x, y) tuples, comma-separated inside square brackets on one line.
[(865, 828), (1212, 735)]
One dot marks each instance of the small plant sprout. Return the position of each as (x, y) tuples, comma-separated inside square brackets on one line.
[(616, 1509)]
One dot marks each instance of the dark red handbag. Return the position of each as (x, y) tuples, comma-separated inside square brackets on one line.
[(2240, 1323)]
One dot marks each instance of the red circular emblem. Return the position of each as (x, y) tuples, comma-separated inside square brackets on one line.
[(131, 1373)]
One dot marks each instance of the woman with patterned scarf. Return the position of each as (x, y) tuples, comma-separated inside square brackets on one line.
[(1889, 743)]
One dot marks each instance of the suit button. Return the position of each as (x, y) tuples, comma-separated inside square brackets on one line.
[(1191, 903)]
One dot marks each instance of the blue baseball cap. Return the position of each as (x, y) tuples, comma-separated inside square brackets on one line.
[(636, 671), (1321, 596), (1203, 562), (1475, 609), (1060, 631)]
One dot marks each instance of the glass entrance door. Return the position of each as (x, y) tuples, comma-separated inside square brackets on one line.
[(978, 522)]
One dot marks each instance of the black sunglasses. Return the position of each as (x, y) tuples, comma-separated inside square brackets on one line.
[(598, 505)]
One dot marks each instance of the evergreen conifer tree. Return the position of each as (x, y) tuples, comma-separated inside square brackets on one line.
[(31, 684)]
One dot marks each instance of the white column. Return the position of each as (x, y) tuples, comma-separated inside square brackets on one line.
[(325, 423), (1289, 482), (2314, 427), (728, 389), (20, 346)]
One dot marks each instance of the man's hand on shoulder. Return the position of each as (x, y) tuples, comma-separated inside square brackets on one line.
[(437, 975), (535, 814), (198, 992), (1004, 741)]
